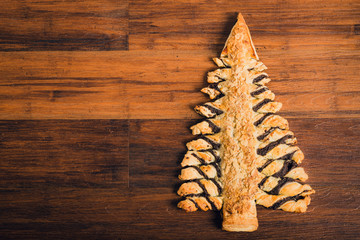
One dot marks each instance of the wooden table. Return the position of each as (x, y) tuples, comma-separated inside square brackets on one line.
[(96, 99)]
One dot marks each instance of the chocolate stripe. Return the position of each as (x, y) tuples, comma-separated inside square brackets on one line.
[(262, 103), (198, 170), (211, 203), (266, 133), (218, 171), (288, 165), (259, 78), (202, 161), (218, 97), (217, 185), (260, 169), (213, 144), (222, 79), (282, 182), (193, 195), (217, 158), (262, 182), (258, 91), (213, 109), (278, 204), (214, 128), (263, 151), (226, 65), (287, 156), (216, 87), (258, 122), (202, 187), (194, 202)]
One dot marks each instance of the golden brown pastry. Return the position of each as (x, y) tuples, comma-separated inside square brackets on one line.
[(244, 153)]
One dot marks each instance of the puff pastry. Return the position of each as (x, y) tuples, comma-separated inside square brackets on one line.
[(244, 153)]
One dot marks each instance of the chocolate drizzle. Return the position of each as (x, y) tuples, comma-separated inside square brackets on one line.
[(258, 91), (295, 198), (259, 78), (263, 151), (262, 103)]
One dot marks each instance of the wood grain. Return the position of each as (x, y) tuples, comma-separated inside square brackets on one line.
[(96, 100)]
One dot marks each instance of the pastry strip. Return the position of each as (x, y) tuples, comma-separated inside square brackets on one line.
[(240, 176)]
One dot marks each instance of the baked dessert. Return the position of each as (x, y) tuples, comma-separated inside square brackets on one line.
[(244, 153)]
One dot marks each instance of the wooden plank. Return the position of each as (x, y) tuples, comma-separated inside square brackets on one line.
[(63, 25), (58, 181), (60, 153), (200, 23), (111, 85)]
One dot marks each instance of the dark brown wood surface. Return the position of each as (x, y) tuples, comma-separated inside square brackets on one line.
[(96, 100)]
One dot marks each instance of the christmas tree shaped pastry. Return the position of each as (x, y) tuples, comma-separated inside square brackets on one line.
[(244, 153)]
